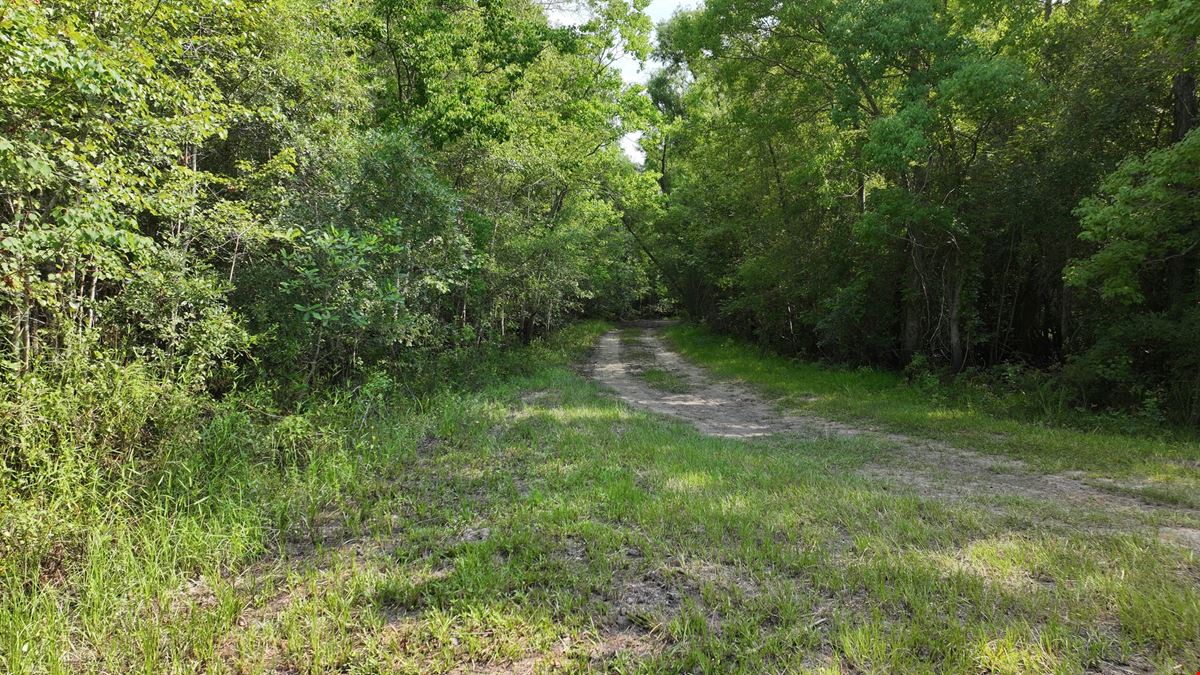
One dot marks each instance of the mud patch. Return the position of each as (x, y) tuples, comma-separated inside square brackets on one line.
[(726, 578), (645, 602), (473, 535), (574, 550), (428, 445)]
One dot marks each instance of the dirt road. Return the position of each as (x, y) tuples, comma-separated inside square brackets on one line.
[(624, 359), (715, 408)]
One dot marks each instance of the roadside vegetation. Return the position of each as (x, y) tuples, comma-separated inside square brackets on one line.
[(183, 563), (534, 522), (665, 380), (961, 185)]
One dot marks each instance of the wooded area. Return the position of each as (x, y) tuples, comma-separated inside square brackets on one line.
[(315, 188), (217, 215), (967, 183), (310, 190)]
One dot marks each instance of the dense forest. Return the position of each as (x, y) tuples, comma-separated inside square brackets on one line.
[(308, 189), (946, 185)]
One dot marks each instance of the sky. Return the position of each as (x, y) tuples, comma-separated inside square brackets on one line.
[(631, 69)]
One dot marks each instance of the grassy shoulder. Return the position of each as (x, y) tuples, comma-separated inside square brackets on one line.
[(1161, 468), (532, 523), (130, 561), (665, 380)]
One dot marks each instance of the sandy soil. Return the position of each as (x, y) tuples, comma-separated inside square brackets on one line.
[(715, 408)]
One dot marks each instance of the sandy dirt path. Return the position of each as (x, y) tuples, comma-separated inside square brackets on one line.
[(932, 468), (715, 408)]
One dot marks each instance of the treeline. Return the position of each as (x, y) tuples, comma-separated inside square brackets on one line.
[(945, 185), (312, 187), (202, 200)]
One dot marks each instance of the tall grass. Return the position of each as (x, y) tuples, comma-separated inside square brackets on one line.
[(120, 488)]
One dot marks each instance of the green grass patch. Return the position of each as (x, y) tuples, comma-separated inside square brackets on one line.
[(1161, 468), (665, 380), (534, 523), (631, 335)]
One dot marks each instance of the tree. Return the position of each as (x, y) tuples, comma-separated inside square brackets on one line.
[(867, 180)]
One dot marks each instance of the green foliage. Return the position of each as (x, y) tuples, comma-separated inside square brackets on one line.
[(873, 181), (498, 517), (335, 183), (1143, 227), (1144, 213), (210, 211), (219, 217)]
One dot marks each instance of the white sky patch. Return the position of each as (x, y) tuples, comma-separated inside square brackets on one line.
[(632, 71), (629, 143)]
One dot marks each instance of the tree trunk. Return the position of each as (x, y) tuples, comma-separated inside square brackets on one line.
[(861, 192), (1183, 93), (957, 353), (527, 329), (911, 339), (663, 183), (782, 195)]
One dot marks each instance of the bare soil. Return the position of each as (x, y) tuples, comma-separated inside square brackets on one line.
[(714, 407)]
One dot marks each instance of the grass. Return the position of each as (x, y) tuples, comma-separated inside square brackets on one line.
[(634, 349), (641, 356), (534, 523), (665, 380), (631, 336), (1164, 469)]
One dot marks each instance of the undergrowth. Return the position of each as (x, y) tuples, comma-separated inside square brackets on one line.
[(118, 485), (535, 524)]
